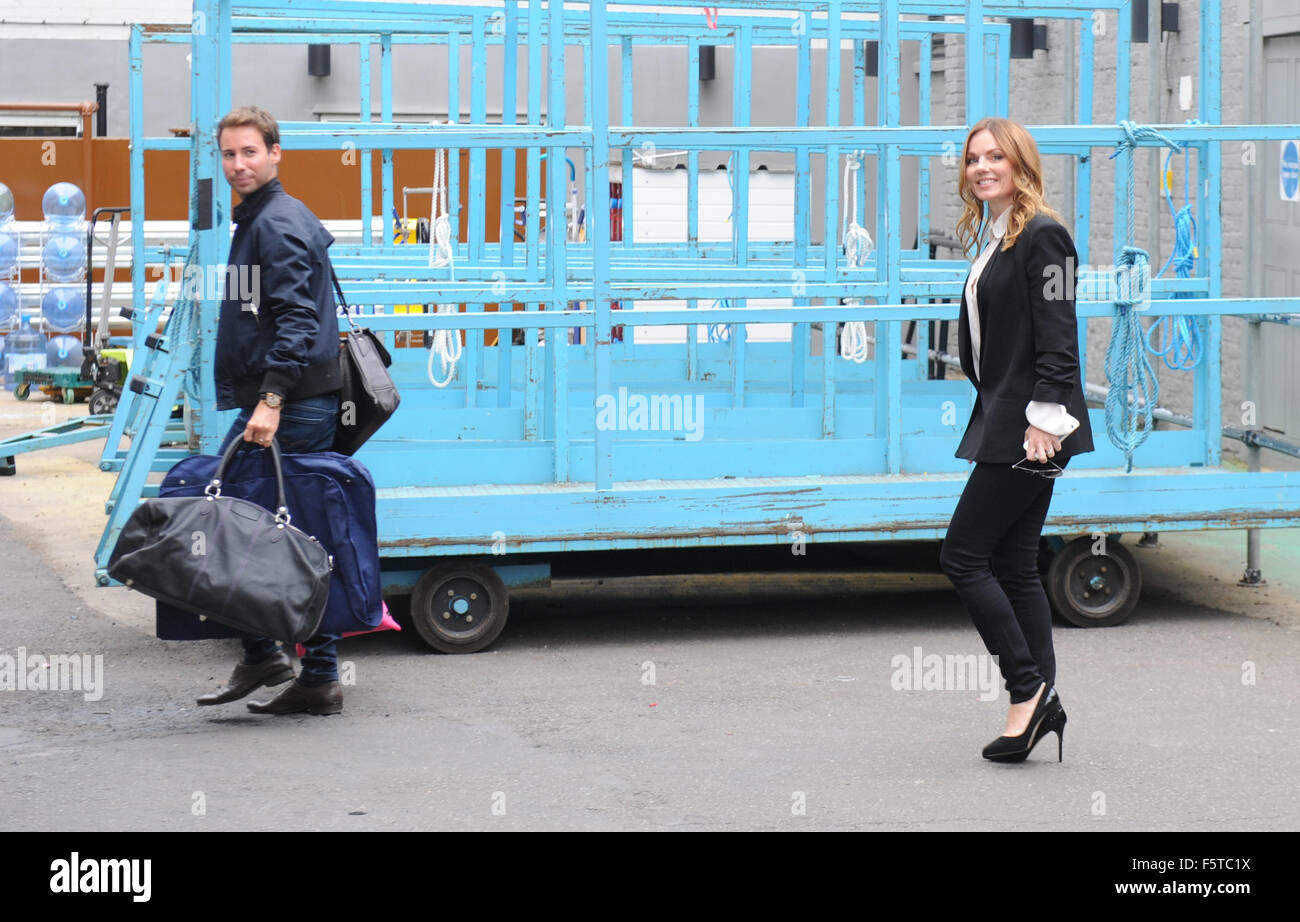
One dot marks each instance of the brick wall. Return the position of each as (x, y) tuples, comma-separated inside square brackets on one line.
[(1038, 96)]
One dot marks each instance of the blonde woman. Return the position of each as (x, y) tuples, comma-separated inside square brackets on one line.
[(1018, 342)]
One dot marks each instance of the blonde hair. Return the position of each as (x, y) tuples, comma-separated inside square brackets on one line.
[(1027, 173)]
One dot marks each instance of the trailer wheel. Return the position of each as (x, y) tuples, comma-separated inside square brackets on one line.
[(459, 607), (69, 395), (23, 391), (1094, 590)]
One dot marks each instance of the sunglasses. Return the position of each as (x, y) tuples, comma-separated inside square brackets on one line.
[(1051, 471)]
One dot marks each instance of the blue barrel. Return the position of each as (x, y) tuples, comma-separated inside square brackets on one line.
[(63, 350), (64, 257), (64, 308), (8, 306), (9, 247), (63, 203), (24, 348), (6, 203)]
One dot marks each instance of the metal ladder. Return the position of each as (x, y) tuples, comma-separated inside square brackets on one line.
[(155, 385)]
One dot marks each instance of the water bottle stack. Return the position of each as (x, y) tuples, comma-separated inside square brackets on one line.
[(63, 261), (10, 252)]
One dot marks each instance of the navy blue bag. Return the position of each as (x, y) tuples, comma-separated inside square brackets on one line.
[(332, 497)]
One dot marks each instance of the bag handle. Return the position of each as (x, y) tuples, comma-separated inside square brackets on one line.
[(213, 489)]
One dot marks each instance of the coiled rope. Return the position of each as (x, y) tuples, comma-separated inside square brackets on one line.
[(1179, 334), (858, 246), (1133, 388)]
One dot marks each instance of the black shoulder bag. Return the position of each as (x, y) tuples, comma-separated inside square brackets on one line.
[(368, 396)]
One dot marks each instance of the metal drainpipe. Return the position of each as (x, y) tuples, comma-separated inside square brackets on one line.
[(1155, 41), (88, 110), (1253, 576), (1155, 179), (1071, 114), (101, 118)]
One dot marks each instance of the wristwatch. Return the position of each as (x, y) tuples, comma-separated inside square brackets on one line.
[(272, 400)]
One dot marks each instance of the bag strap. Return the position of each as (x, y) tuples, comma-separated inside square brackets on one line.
[(213, 489), (338, 289), (379, 347)]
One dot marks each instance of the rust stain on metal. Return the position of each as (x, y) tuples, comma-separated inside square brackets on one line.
[(1226, 520), (778, 530)]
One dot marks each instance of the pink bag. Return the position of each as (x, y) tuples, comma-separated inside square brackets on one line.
[(386, 623)]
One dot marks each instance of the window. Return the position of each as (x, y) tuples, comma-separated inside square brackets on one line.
[(16, 123)]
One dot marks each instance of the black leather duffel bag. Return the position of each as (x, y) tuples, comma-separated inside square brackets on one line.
[(227, 559)]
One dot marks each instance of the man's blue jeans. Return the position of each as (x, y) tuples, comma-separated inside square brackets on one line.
[(305, 425)]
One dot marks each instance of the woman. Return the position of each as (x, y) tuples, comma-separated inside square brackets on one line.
[(1019, 346)]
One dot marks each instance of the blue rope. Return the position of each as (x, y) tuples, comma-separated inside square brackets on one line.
[(1133, 390), (721, 332), (1181, 335)]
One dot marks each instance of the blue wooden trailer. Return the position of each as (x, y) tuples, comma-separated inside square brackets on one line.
[(698, 392)]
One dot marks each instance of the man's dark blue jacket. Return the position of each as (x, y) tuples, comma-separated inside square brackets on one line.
[(286, 340)]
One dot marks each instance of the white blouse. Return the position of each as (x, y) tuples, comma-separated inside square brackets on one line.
[(1050, 417)]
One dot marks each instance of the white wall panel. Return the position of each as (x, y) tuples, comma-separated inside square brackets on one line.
[(659, 213)]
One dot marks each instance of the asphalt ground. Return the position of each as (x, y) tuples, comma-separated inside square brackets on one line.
[(740, 701)]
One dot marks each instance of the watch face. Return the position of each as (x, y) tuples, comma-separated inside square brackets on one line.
[(273, 401)]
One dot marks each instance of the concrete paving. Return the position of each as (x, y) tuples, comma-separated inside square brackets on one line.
[(736, 702)]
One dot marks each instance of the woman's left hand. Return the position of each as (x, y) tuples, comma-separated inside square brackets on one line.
[(1041, 445)]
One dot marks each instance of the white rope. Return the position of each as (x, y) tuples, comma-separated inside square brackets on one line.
[(858, 246), (447, 346)]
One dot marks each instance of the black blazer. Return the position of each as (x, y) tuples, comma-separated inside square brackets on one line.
[(1029, 347)]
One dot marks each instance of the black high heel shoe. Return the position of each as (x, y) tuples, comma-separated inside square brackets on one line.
[(1048, 717)]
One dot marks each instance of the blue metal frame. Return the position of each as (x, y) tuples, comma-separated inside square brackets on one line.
[(855, 452)]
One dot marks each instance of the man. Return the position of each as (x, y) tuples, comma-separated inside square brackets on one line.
[(277, 362)]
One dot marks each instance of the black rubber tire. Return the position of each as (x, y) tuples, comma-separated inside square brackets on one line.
[(101, 402), (1094, 590), (459, 606), (23, 391)]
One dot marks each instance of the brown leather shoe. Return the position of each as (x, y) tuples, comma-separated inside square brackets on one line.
[(299, 698), (274, 670)]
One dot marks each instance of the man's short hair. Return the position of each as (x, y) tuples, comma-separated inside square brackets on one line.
[(255, 117)]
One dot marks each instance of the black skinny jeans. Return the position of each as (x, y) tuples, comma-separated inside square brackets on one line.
[(991, 555)]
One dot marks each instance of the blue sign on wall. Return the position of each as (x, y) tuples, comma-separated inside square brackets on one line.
[(1290, 173)]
